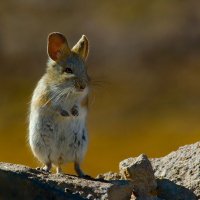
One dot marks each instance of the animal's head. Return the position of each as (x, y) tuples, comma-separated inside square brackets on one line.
[(67, 65)]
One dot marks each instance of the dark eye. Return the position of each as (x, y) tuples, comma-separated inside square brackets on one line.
[(68, 70)]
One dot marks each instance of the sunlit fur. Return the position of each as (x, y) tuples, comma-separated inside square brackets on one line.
[(54, 138)]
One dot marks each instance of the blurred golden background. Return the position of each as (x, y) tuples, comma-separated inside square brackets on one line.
[(144, 56)]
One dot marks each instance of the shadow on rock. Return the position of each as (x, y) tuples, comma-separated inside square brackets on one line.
[(168, 190)]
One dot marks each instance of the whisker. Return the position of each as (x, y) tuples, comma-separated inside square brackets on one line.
[(62, 93), (93, 98), (50, 99), (98, 83), (57, 94)]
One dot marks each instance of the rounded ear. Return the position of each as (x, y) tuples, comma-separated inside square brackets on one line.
[(57, 46), (82, 47)]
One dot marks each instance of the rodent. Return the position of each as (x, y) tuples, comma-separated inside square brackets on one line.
[(59, 106)]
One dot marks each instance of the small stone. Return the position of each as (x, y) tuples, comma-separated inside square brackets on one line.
[(89, 196), (140, 172), (110, 176)]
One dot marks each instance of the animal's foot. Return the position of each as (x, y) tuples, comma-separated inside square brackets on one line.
[(46, 168), (42, 169), (64, 113), (85, 176), (79, 172), (74, 111)]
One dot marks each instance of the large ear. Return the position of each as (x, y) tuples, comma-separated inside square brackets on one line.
[(82, 47), (57, 46)]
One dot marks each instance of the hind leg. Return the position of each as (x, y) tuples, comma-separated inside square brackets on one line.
[(59, 170), (47, 163), (47, 167), (78, 169)]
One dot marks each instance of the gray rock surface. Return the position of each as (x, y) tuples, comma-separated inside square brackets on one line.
[(173, 177), (140, 172), (110, 176), (20, 182), (178, 173)]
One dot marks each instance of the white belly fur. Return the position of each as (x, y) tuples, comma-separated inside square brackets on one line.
[(58, 139)]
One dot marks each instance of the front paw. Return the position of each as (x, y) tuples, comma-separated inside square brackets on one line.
[(74, 110), (64, 113)]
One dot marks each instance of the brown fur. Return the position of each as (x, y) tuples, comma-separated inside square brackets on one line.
[(42, 101)]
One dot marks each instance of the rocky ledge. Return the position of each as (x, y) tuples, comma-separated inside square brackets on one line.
[(173, 177)]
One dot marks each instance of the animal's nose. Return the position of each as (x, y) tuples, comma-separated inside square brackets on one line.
[(81, 85)]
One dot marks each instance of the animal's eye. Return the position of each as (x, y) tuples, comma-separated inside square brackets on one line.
[(68, 70)]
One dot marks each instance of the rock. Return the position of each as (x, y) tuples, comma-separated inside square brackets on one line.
[(110, 176), (178, 173), (177, 178), (169, 190), (21, 182), (140, 172)]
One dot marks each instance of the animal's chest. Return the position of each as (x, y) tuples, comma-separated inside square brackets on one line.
[(64, 131), (69, 125), (68, 116), (67, 121), (70, 137)]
